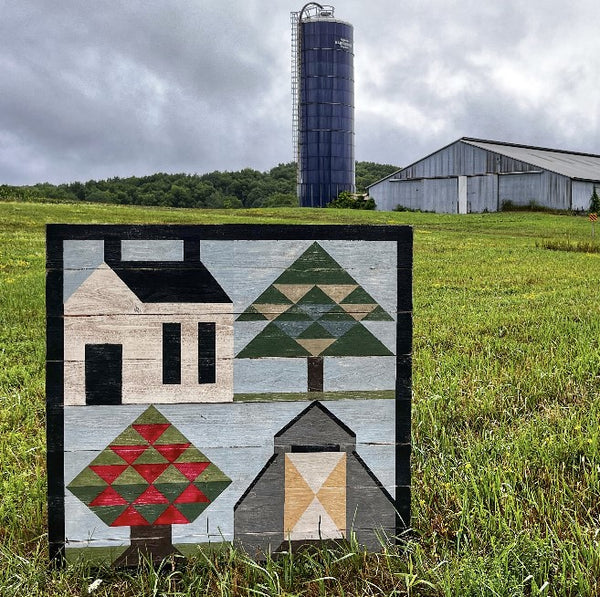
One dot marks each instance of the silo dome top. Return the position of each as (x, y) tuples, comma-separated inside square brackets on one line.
[(313, 11)]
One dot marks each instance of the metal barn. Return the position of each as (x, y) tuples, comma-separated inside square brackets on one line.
[(476, 175)]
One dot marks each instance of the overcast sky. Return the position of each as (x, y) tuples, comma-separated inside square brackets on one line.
[(120, 88)]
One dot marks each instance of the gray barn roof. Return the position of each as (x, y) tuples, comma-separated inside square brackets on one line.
[(584, 166), (568, 163)]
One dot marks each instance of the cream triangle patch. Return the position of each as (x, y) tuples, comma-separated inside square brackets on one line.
[(358, 311), (315, 346), (315, 523), (337, 292), (271, 311), (298, 494), (317, 468), (293, 292)]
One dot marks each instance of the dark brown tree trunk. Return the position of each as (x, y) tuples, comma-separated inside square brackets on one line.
[(151, 543), (315, 374)]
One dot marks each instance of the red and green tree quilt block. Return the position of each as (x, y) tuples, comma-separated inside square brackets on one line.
[(150, 474)]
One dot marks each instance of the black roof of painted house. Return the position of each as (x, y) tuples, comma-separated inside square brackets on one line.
[(167, 283), (187, 281)]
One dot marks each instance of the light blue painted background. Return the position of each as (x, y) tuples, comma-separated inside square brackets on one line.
[(80, 259)]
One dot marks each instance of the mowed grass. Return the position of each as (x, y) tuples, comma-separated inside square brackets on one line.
[(506, 436)]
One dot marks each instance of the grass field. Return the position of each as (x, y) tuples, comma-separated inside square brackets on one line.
[(506, 436)]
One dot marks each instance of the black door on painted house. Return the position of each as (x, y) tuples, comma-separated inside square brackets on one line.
[(103, 374)]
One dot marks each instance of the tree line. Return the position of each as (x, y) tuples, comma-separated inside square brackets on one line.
[(243, 188)]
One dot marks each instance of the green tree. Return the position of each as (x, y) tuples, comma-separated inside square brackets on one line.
[(594, 202), (150, 475), (315, 309)]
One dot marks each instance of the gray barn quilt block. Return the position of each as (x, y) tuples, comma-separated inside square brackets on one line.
[(207, 384)]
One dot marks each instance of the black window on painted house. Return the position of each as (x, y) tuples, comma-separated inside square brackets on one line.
[(207, 352), (171, 353)]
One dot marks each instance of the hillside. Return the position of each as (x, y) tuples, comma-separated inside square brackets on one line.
[(245, 188)]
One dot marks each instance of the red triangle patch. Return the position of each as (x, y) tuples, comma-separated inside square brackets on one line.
[(109, 497), (129, 453), (171, 516), (130, 518), (150, 472), (191, 495), (172, 451), (192, 470), (151, 496), (152, 431), (108, 472)]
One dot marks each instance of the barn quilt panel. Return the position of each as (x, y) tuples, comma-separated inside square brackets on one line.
[(216, 384)]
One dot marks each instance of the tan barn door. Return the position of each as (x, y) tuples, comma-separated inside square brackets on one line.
[(315, 496)]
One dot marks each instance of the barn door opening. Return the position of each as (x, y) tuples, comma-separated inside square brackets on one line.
[(103, 374)]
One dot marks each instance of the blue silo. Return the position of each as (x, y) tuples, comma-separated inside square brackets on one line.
[(323, 91)]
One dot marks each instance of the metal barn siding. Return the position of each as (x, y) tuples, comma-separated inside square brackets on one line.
[(557, 191), (387, 197), (520, 189), (581, 194), (482, 193), (326, 109), (409, 194), (440, 195)]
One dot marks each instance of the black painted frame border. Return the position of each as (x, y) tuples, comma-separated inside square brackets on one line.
[(111, 233)]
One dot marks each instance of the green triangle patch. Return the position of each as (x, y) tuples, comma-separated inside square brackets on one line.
[(378, 314), (171, 475), (88, 478), (171, 436), (272, 342), (151, 511), (359, 342), (315, 266), (359, 296), (251, 314), (108, 514), (212, 474), (315, 296), (151, 456), (212, 489), (130, 492), (151, 416), (108, 457), (129, 477), (191, 511), (129, 437), (272, 296), (315, 331), (172, 490), (86, 493), (192, 454)]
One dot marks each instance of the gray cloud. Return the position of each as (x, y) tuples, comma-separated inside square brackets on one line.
[(94, 90)]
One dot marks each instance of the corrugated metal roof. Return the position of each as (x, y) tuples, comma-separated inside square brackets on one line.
[(585, 166), (572, 164)]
